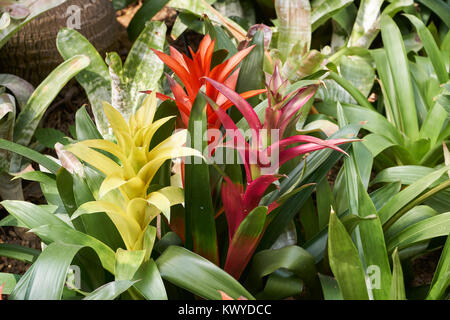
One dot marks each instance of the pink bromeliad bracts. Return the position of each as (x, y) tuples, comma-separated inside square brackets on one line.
[(239, 201)]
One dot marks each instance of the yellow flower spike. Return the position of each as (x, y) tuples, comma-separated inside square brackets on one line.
[(146, 113), (161, 202), (115, 119), (94, 158), (128, 228), (107, 146), (123, 193)]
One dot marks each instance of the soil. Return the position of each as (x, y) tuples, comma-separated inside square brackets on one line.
[(61, 115)]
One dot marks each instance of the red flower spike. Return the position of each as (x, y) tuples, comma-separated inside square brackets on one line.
[(191, 72)]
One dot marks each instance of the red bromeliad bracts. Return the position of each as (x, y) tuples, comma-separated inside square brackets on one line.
[(191, 72), (238, 201)]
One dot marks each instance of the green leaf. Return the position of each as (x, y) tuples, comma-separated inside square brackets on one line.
[(59, 233), (323, 10), (143, 69), (431, 48), (330, 288), (9, 280), (318, 166), (95, 79), (299, 265), (151, 285), (441, 278), (370, 233), (379, 197), (351, 89), (390, 209), (145, 13), (200, 223), (430, 228), (345, 262), (440, 8), (28, 153), (398, 285), (18, 252), (251, 74), (365, 27), (48, 137), (32, 215), (202, 278), (110, 291), (38, 7), (413, 216), (46, 279), (244, 241), (31, 115), (396, 54), (84, 126), (294, 18), (21, 89)]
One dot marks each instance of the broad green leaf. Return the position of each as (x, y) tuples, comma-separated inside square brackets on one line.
[(35, 9), (323, 10), (345, 262), (201, 7), (396, 54), (110, 291), (28, 153), (32, 113), (433, 227), (330, 288), (202, 278), (413, 216), (351, 89), (48, 137), (84, 126), (150, 283), (145, 13), (32, 215), (57, 233), (379, 197), (251, 75), (439, 7), (21, 89), (14, 251), (9, 281), (390, 209), (431, 48), (398, 285), (95, 79), (294, 18), (46, 279), (200, 223), (298, 262), (365, 23), (143, 69)]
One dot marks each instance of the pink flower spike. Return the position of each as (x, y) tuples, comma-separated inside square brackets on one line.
[(256, 189), (282, 144), (244, 107), (293, 152)]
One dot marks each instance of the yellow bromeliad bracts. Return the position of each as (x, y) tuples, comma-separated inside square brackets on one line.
[(123, 194)]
